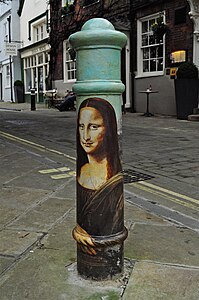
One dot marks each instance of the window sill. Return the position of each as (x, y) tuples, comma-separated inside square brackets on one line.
[(149, 75), (70, 81)]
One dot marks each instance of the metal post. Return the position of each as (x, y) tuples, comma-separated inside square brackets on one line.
[(100, 230), (32, 93), (10, 57)]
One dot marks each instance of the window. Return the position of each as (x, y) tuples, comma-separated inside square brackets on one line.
[(39, 31), (5, 25), (7, 75), (67, 2), (42, 32), (180, 15), (150, 49), (36, 71), (89, 2), (69, 64)]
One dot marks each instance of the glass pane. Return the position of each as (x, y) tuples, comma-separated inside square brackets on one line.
[(160, 51), (35, 78), (144, 26), (46, 57), (152, 65), (152, 40), (159, 19), (160, 64), (145, 40), (40, 71), (28, 62), (40, 58), (151, 22), (145, 66), (145, 53), (28, 80), (160, 40), (33, 61), (153, 52)]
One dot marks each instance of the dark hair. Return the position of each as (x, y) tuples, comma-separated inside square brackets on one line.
[(110, 142)]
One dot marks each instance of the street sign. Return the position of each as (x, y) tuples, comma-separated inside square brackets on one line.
[(173, 73), (11, 48)]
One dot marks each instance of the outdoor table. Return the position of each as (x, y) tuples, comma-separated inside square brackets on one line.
[(50, 94), (148, 92)]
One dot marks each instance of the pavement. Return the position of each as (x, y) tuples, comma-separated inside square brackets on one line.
[(37, 213)]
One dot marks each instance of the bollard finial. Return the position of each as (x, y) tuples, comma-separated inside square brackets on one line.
[(98, 23)]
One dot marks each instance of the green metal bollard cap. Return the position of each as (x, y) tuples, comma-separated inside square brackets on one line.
[(98, 31)]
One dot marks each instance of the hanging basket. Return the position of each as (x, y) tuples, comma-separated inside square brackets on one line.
[(159, 30)]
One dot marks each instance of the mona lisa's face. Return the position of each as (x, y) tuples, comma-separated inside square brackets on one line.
[(91, 129)]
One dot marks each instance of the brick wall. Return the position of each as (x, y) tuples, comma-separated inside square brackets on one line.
[(179, 37)]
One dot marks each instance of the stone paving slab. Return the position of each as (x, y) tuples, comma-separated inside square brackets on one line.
[(150, 281), (44, 275), (14, 243), (9, 172), (43, 216), (166, 244), (48, 272), (67, 190), (5, 262), (14, 201), (37, 181), (133, 214), (21, 197)]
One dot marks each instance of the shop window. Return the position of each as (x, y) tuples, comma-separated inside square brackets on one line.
[(180, 16), (40, 59), (69, 64), (36, 70), (151, 50), (28, 82)]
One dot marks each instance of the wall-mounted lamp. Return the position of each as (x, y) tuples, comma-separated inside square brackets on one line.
[(178, 56)]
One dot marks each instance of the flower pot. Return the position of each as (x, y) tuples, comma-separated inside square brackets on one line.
[(186, 93), (19, 94)]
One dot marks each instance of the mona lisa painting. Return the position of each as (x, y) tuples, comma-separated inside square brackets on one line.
[(100, 220)]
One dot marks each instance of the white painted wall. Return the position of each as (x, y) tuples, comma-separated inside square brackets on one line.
[(31, 9), (6, 10)]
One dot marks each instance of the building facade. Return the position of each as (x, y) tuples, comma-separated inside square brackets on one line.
[(155, 60), (68, 17), (10, 42), (147, 60), (34, 17), (45, 60)]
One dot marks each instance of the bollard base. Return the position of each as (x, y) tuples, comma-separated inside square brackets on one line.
[(106, 264)]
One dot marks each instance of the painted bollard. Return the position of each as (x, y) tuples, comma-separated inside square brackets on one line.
[(100, 231)]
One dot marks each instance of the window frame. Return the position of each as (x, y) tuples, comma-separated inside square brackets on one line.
[(67, 61), (39, 31), (67, 2), (32, 64), (140, 47), (7, 76)]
